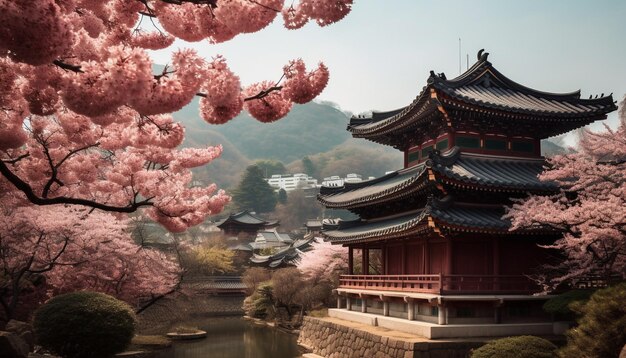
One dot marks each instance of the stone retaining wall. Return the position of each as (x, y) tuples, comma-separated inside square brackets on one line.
[(333, 340)]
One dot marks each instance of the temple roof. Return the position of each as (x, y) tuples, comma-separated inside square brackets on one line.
[(483, 89), (245, 218), (456, 168), (438, 215), (286, 255)]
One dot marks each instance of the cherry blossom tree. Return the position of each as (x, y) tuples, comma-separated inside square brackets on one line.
[(45, 251), (590, 208), (324, 262), (85, 121)]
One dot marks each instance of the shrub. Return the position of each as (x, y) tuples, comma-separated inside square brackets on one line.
[(84, 325), (516, 347), (601, 330), (560, 305), (261, 303)]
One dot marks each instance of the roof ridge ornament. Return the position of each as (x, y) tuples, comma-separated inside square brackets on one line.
[(432, 202), (435, 157), (482, 57)]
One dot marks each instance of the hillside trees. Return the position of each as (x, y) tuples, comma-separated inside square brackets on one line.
[(84, 121), (590, 208), (254, 193)]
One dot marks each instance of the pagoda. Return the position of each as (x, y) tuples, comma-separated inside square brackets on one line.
[(448, 264)]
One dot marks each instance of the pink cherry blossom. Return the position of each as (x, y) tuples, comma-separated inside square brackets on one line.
[(324, 261), (270, 108), (590, 209), (84, 120), (302, 87)]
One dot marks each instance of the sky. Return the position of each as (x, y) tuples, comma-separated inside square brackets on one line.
[(380, 55)]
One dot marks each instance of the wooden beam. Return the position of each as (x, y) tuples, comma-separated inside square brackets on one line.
[(365, 261), (350, 260)]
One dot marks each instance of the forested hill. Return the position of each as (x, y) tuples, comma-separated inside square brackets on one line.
[(308, 129)]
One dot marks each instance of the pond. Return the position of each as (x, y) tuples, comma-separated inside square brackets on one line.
[(234, 337)]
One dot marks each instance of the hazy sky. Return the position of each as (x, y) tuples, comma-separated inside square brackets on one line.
[(380, 55)]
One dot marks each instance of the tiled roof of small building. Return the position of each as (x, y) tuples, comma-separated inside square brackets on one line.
[(451, 167), (244, 217)]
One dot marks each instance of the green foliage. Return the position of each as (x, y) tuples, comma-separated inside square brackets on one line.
[(516, 347), (560, 305), (261, 303), (282, 196), (214, 259), (254, 192), (601, 330), (84, 325), (309, 167), (270, 167)]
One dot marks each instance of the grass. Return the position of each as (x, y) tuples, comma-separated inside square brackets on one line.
[(153, 342), (320, 313), (186, 329)]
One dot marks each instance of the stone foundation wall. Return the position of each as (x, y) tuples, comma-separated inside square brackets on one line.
[(333, 340)]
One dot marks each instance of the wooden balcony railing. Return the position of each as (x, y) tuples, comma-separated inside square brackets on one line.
[(409, 283), (442, 284)]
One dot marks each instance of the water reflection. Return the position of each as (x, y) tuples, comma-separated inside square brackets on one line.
[(234, 337)]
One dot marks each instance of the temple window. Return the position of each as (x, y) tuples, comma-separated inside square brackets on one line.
[(519, 146), (495, 144), (468, 142)]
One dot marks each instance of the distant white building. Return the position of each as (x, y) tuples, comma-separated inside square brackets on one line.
[(290, 182), (336, 180)]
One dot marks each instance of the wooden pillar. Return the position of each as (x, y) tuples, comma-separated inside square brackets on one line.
[(496, 262), (350, 260), (403, 271), (383, 253), (363, 304), (348, 303), (385, 308), (448, 257), (338, 301), (365, 261), (427, 258)]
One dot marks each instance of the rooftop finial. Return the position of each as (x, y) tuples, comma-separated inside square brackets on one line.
[(482, 56)]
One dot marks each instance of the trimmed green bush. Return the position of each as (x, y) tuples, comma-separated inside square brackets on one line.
[(84, 325), (517, 347), (601, 330), (560, 305)]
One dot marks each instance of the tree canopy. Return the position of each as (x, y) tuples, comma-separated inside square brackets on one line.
[(85, 121), (254, 192), (590, 208)]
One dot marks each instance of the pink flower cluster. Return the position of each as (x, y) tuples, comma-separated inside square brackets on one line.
[(83, 118), (590, 209)]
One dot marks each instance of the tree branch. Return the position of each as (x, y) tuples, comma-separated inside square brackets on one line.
[(67, 66), (33, 198)]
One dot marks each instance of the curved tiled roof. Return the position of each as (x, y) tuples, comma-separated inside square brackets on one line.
[(485, 87), (453, 168), (460, 217), (244, 217), (368, 191), (362, 229), (493, 171)]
